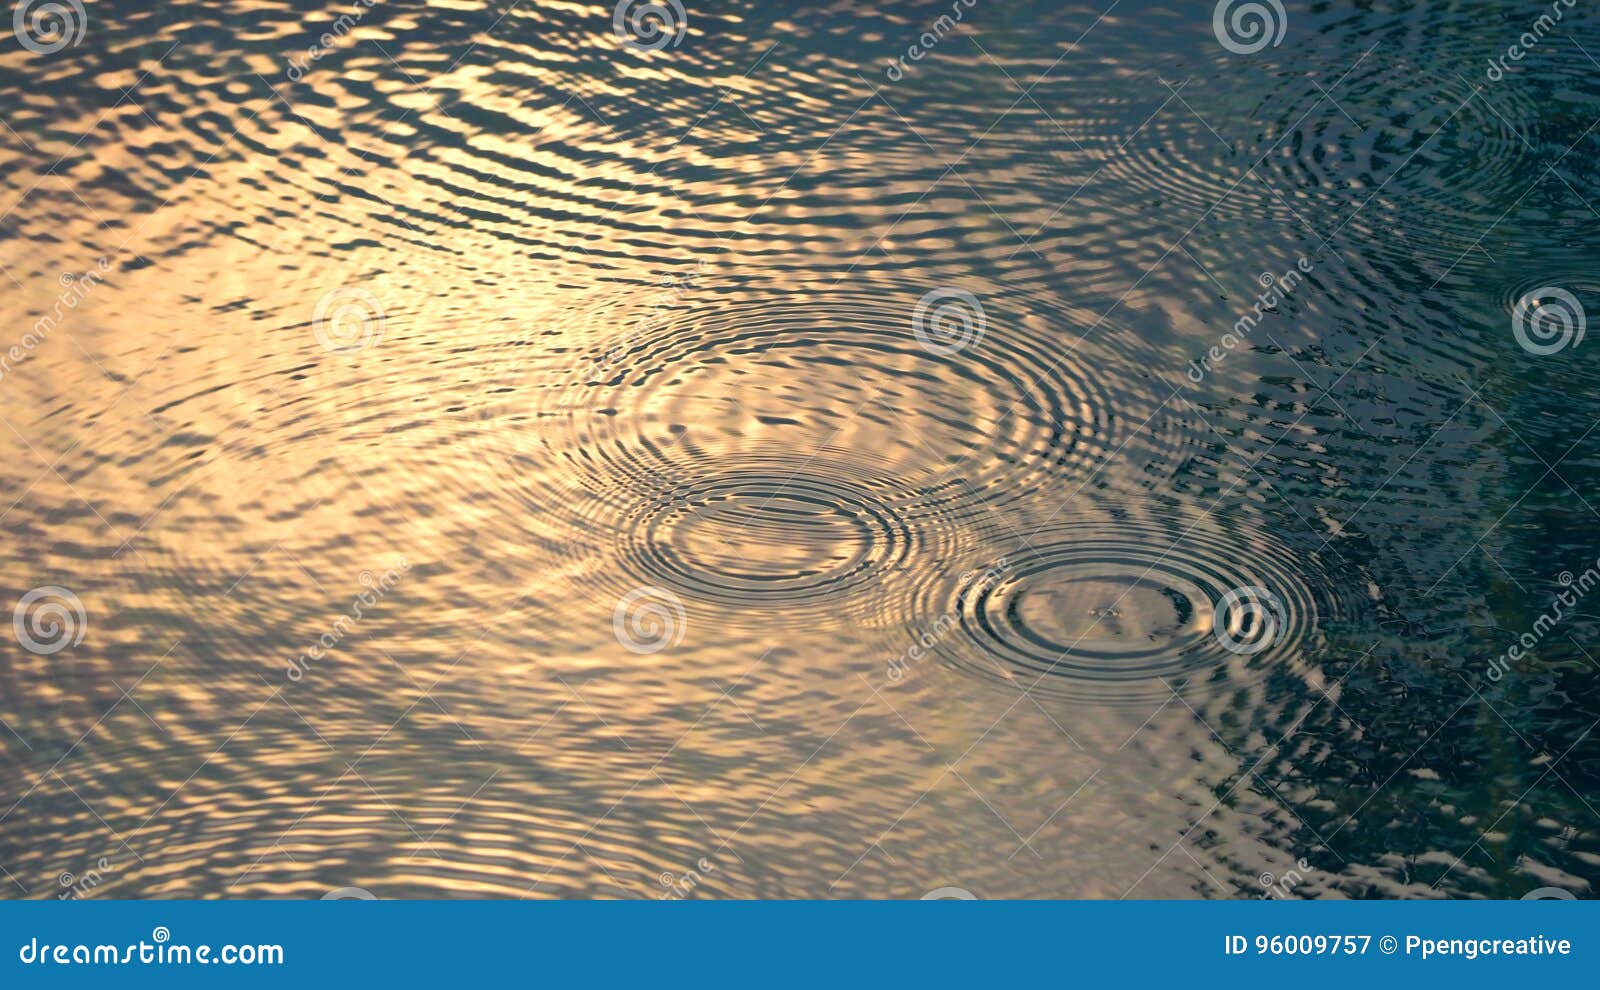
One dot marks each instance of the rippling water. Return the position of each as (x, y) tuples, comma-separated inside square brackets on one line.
[(743, 450)]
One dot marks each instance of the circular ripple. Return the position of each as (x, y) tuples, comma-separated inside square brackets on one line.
[(842, 378), (772, 541), (1544, 287), (1412, 156), (766, 539), (1114, 611)]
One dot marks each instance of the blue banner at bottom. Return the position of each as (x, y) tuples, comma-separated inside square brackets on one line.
[(939, 943)]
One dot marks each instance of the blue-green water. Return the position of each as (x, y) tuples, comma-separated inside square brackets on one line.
[(744, 450)]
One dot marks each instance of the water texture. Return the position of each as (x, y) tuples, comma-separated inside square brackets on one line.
[(691, 449)]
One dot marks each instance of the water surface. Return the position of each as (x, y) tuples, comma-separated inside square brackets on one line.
[(565, 450)]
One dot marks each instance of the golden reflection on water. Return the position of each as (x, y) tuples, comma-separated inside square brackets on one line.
[(400, 377)]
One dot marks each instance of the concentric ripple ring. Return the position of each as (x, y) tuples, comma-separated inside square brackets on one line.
[(1118, 611)]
